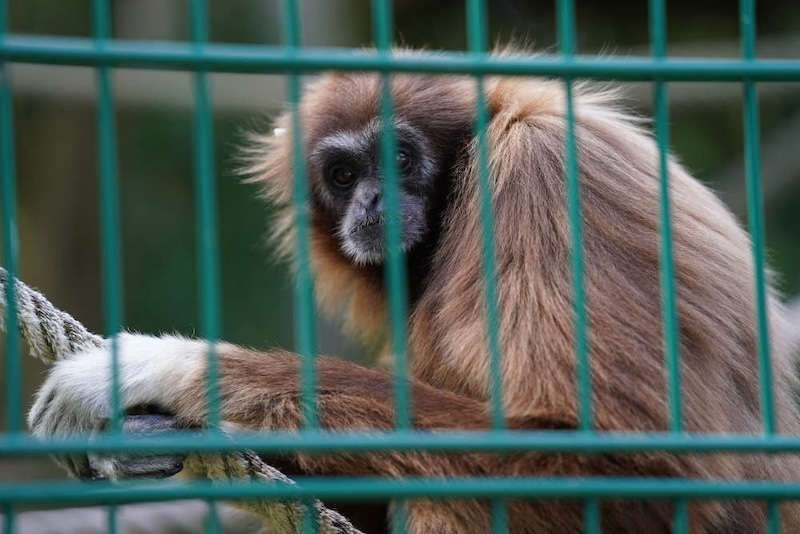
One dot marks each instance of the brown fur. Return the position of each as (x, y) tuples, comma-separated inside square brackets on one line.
[(620, 190)]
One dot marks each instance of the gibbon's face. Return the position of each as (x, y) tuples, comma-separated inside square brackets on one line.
[(349, 186)]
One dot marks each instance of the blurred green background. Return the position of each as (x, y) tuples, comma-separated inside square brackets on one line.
[(57, 155)]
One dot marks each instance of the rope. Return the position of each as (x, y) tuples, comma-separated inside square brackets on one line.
[(52, 335)]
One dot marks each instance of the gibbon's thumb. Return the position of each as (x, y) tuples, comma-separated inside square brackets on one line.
[(50, 333)]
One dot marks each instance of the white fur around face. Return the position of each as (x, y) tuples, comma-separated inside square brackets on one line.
[(76, 397)]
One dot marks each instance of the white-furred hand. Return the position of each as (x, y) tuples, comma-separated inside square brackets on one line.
[(76, 396)]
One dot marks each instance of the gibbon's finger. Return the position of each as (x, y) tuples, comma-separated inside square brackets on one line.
[(121, 466), (134, 466)]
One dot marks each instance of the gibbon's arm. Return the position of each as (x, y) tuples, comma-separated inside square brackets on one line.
[(259, 391)]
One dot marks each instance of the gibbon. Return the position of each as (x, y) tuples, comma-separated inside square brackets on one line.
[(441, 235)]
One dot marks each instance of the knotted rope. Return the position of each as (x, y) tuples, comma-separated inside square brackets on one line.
[(52, 335)]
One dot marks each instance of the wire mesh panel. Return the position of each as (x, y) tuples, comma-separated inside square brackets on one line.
[(200, 56)]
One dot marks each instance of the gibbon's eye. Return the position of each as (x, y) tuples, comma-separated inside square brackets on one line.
[(403, 160), (342, 176)]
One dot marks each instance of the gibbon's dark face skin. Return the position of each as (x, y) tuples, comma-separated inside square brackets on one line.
[(351, 187)]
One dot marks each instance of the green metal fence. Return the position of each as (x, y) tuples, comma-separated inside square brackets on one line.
[(200, 56)]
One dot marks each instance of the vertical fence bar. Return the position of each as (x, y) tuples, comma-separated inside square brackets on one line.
[(304, 288), (499, 511), (9, 520), (591, 515), (109, 205), (8, 198), (109, 218), (755, 213), (566, 32), (669, 315), (755, 217), (310, 521), (207, 240), (477, 21), (668, 301), (680, 519), (773, 517), (205, 201), (566, 26), (212, 524), (305, 335), (8, 203), (476, 18), (394, 257)]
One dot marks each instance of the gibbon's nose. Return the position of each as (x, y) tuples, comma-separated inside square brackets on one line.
[(369, 196)]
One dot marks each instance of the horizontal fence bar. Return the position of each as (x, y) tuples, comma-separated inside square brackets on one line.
[(495, 441), (349, 489), (257, 58)]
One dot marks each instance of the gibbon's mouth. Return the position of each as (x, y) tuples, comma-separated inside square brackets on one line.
[(369, 222), (364, 242), (367, 235)]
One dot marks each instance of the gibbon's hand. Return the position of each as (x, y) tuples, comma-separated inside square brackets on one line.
[(76, 399)]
